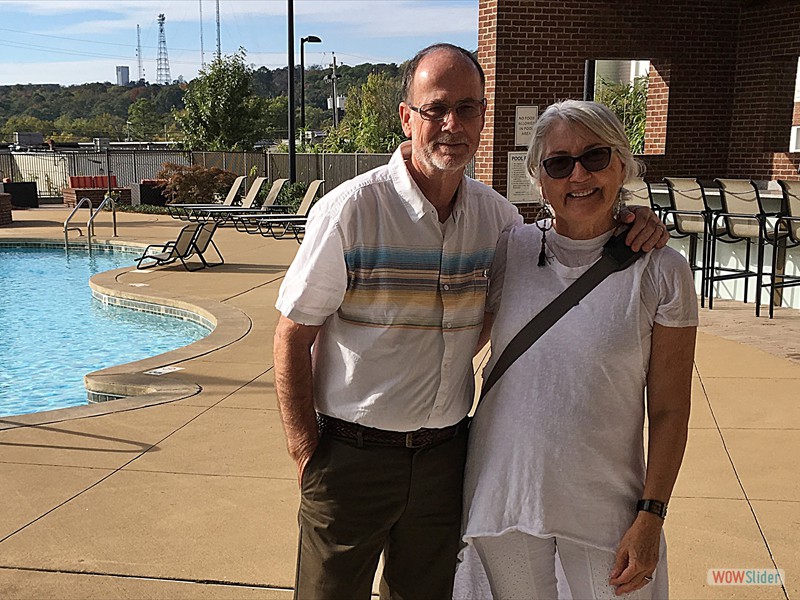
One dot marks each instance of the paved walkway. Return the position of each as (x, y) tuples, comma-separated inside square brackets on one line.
[(196, 498)]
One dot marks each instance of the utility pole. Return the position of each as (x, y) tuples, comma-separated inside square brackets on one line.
[(292, 141), (313, 39), (335, 95), (219, 48), (202, 50), (139, 52)]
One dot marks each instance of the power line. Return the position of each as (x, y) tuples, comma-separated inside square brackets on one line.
[(83, 41), (75, 52)]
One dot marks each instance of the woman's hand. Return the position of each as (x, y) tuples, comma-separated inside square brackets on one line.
[(637, 555)]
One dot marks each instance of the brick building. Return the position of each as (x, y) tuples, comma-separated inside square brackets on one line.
[(721, 96)]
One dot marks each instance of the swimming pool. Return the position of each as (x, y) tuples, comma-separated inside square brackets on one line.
[(52, 332)]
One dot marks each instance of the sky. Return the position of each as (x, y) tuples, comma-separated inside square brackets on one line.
[(80, 41)]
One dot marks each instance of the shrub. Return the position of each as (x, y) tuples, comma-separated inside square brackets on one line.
[(292, 194), (194, 184), (629, 103)]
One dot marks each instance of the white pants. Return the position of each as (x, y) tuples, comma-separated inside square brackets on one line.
[(522, 567)]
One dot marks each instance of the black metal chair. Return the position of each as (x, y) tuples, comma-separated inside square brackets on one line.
[(785, 234), (744, 219), (638, 194), (689, 216)]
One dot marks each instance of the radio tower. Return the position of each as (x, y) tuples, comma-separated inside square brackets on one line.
[(162, 66), (219, 53)]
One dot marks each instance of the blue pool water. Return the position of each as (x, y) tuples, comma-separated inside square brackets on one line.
[(52, 332)]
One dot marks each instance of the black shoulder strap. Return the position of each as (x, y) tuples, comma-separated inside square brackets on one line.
[(617, 256)]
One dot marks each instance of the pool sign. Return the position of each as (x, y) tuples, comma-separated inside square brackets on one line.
[(523, 124), (518, 185)]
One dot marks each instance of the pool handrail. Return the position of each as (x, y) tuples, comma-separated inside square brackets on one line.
[(90, 223), (82, 201)]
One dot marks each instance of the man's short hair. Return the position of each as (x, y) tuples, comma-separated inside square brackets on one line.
[(411, 68)]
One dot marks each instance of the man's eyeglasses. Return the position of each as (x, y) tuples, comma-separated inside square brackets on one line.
[(438, 111), (559, 167)]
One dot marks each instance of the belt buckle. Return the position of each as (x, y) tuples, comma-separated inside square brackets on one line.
[(422, 439)]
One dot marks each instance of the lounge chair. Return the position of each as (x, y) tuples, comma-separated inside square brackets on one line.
[(203, 240), (182, 248), (178, 211), (206, 213), (224, 214), (277, 226)]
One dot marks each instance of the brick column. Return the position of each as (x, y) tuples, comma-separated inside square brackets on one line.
[(5, 210), (487, 48)]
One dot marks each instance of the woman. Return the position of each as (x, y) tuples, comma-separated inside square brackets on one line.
[(556, 466)]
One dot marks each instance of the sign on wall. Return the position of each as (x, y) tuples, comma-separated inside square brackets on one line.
[(518, 185), (523, 124)]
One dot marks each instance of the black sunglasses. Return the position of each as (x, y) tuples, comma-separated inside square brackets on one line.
[(559, 167)]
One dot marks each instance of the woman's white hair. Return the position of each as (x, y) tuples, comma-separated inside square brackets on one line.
[(595, 117)]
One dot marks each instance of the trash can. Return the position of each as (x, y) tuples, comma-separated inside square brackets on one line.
[(23, 193)]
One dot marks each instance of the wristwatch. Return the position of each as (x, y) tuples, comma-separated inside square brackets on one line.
[(653, 506)]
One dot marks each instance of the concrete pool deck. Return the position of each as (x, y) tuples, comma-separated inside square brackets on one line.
[(196, 498)]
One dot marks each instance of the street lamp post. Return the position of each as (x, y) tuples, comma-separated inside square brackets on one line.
[(314, 40), (292, 147)]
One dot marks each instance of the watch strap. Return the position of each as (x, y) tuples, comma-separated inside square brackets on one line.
[(652, 506)]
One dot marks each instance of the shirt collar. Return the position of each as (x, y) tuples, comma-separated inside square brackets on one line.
[(415, 201)]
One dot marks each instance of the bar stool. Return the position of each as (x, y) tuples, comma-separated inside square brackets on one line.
[(744, 220), (785, 234), (689, 215), (639, 195)]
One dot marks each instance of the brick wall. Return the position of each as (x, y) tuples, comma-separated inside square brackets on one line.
[(74, 195), (728, 66), (655, 134), (769, 45)]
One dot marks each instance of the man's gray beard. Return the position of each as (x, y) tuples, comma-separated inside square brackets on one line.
[(441, 163)]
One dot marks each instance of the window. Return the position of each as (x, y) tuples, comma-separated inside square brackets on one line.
[(638, 92)]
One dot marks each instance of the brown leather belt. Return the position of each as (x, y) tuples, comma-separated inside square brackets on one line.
[(380, 437)]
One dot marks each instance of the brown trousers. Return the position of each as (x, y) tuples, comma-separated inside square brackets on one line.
[(360, 501)]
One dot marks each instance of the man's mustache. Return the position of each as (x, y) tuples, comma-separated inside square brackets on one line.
[(449, 138)]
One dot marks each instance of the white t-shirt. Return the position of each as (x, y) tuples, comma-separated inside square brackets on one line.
[(556, 448)]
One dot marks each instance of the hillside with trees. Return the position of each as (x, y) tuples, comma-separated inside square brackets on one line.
[(150, 112)]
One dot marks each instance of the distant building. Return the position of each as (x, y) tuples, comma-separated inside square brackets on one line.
[(123, 75)]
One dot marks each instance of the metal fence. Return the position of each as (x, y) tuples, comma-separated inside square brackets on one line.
[(51, 170)]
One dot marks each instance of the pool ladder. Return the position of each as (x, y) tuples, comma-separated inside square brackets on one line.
[(90, 222)]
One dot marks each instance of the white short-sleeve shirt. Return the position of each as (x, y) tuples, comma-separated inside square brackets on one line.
[(400, 298)]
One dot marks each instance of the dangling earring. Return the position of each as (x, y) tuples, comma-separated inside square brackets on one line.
[(618, 206), (544, 222)]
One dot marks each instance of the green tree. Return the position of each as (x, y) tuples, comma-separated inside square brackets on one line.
[(272, 117), (28, 124), (629, 103), (220, 110), (144, 122), (371, 122)]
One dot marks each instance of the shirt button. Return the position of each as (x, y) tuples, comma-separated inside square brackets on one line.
[(446, 287), (448, 325)]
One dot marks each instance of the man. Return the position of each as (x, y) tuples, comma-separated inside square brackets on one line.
[(389, 289)]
